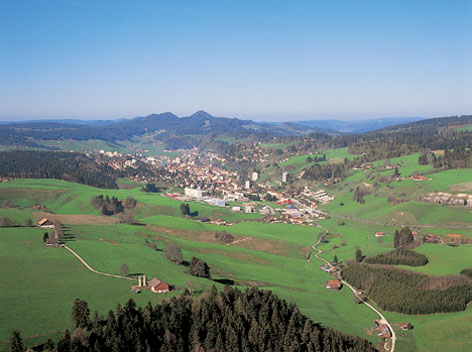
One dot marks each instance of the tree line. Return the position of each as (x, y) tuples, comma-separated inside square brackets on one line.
[(73, 167), (399, 256), (231, 320)]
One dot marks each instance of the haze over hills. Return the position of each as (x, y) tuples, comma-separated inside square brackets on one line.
[(358, 126), (208, 122)]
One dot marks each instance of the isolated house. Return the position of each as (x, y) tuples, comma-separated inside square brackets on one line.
[(333, 284), (46, 224), (406, 326), (384, 331), (454, 236), (379, 234), (158, 286)]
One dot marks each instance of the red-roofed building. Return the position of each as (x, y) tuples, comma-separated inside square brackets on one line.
[(333, 284), (158, 286)]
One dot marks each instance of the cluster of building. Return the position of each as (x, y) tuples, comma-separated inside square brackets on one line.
[(155, 285)]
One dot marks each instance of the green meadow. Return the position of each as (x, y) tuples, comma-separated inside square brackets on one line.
[(271, 256)]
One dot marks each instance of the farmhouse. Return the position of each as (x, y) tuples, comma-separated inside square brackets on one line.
[(46, 224), (454, 236), (384, 331), (158, 286), (379, 234), (406, 326), (333, 284)]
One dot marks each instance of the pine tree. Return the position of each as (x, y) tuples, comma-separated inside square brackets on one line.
[(81, 314), (64, 345), (16, 342), (335, 260), (359, 255)]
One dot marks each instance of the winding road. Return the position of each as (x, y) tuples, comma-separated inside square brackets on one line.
[(96, 271), (383, 320)]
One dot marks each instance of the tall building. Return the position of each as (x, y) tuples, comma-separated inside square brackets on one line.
[(255, 176), (285, 176), (194, 193)]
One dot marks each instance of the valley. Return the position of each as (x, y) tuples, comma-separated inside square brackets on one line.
[(268, 254)]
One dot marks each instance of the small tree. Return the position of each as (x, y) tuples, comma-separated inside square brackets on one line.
[(127, 218), (199, 268), (335, 260), (129, 203), (81, 314), (359, 255), (45, 237), (124, 270), (16, 342), (185, 209), (173, 253), (359, 196), (224, 236), (79, 338), (64, 344), (5, 221)]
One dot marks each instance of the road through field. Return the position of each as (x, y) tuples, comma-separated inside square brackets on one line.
[(96, 271), (383, 320)]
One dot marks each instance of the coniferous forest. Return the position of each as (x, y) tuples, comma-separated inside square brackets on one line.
[(410, 292), (231, 320), (399, 256), (73, 167)]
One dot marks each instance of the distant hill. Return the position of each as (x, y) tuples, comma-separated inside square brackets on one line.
[(165, 127), (357, 126)]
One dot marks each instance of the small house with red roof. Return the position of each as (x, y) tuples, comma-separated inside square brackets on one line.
[(333, 285), (158, 286)]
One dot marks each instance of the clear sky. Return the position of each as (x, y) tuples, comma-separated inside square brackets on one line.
[(264, 60)]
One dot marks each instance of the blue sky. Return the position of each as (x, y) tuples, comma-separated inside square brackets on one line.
[(264, 60)]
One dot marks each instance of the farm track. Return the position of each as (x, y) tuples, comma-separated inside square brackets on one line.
[(96, 271), (383, 320)]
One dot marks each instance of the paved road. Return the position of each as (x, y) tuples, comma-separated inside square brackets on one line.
[(96, 271), (383, 320)]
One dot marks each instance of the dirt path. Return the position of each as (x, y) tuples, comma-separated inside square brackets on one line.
[(96, 271), (237, 241), (383, 320)]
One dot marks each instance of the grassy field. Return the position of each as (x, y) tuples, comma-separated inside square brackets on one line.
[(271, 256)]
